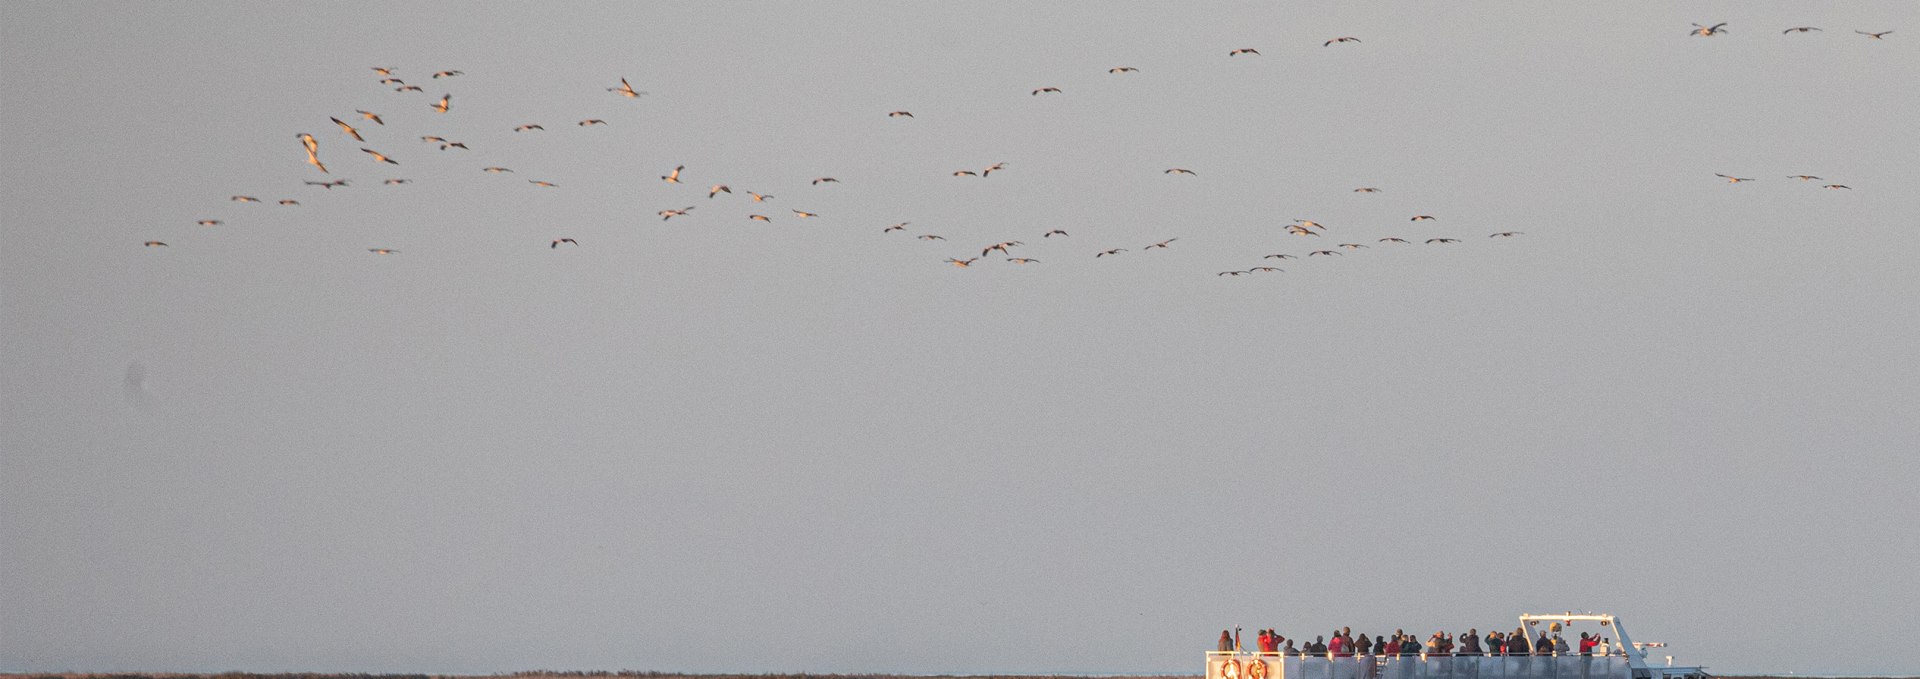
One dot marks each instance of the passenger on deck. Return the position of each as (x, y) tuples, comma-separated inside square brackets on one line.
[(1544, 646), (1226, 640), (1517, 643), (1290, 650), (1318, 648), (1379, 645), (1559, 645), (1470, 642), (1496, 645), (1337, 646)]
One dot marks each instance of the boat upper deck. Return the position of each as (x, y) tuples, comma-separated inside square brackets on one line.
[(1246, 665)]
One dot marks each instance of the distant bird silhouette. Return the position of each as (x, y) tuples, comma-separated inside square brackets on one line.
[(1243, 50), (209, 222), (1708, 31), (674, 176), (825, 180), (1330, 43), (1162, 244), (154, 244), (591, 121), (369, 115), (1123, 69), (379, 157), (1804, 177), (313, 150), (1366, 189), (718, 189), (1114, 251), (1054, 90), (348, 129), (1799, 29), (382, 251), (442, 105), (528, 126), (244, 199), (963, 263), (447, 74), (899, 114), (558, 241), (1732, 179), (1443, 240), (494, 170), (1837, 186), (1874, 36), (1506, 234), (1023, 260), (542, 184), (625, 90), (1180, 170), (1055, 232), (760, 218)]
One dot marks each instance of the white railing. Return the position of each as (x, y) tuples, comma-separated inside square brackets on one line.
[(1232, 665)]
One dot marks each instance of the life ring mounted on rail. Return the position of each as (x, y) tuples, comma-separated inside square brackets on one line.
[(1230, 669), (1256, 669)]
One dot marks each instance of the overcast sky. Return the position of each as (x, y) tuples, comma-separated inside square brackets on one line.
[(709, 443)]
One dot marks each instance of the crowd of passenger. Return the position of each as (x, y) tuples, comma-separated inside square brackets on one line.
[(1344, 643)]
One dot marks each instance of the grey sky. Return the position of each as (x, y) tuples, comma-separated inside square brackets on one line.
[(713, 444)]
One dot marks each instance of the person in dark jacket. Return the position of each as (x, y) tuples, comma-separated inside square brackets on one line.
[(1226, 641)]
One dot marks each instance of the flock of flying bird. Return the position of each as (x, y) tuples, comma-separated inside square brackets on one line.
[(1303, 228)]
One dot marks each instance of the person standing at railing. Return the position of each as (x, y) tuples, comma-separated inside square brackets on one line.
[(1290, 650), (1470, 642), (1318, 648), (1226, 641), (1495, 644), (1337, 646), (1544, 646), (1517, 642), (1587, 643)]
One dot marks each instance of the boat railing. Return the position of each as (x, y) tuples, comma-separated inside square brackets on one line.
[(1257, 665)]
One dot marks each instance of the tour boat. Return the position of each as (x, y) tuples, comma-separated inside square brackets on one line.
[(1621, 658)]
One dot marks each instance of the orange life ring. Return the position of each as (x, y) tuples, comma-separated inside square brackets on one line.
[(1256, 669), (1230, 669)]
